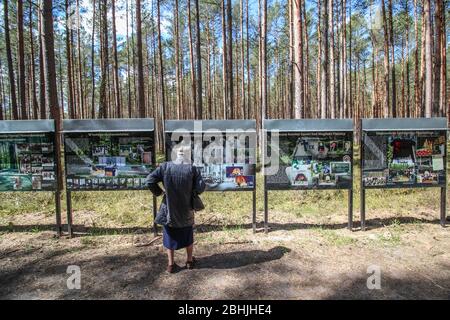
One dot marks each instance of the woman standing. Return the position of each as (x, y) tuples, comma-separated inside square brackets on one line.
[(181, 181)]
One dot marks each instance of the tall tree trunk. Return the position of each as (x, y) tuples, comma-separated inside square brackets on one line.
[(161, 69), (224, 63), (387, 109), (243, 104), (21, 61), (50, 81), (103, 105), (428, 60), (80, 65), (140, 87), (437, 107), (93, 61), (263, 60), (42, 101), (12, 81), (230, 58), (324, 61), (331, 59), (34, 102), (290, 91), (298, 60), (117, 93), (417, 88), (391, 41), (191, 57), (177, 60), (69, 65), (248, 62), (199, 108)]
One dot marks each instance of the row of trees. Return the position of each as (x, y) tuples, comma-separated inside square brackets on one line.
[(224, 59)]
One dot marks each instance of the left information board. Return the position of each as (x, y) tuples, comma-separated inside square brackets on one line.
[(108, 154), (27, 157)]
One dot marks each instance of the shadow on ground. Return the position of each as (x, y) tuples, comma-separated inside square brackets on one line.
[(81, 230)]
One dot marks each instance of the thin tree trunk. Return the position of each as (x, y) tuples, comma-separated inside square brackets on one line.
[(298, 60), (191, 57), (12, 81), (80, 66), (324, 62), (417, 89), (243, 104), (387, 109), (177, 59), (263, 60), (140, 86), (117, 94), (33, 66), (69, 65), (332, 98), (42, 98), (21, 61), (428, 60), (161, 69), (103, 105), (50, 81), (224, 63), (230, 58), (199, 108)]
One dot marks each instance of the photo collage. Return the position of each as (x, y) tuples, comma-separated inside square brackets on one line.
[(320, 160), (222, 171), (116, 161), (27, 163), (407, 158)]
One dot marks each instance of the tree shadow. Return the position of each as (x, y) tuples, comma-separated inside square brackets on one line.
[(238, 259), (82, 230)]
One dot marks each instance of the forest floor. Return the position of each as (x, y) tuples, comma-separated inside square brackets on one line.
[(308, 254)]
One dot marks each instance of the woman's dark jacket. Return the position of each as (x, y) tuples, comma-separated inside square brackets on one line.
[(180, 182)]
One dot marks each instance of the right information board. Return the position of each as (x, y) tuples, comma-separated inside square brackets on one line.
[(403, 153), (404, 158)]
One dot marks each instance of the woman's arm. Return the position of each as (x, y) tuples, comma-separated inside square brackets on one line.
[(153, 179), (199, 184)]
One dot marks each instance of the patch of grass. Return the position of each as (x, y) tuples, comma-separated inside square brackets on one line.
[(333, 238), (89, 241)]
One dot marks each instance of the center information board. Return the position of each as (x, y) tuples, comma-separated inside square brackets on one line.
[(108, 154), (223, 150), (309, 154), (403, 153)]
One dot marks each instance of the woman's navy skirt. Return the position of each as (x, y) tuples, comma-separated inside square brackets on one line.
[(177, 238)]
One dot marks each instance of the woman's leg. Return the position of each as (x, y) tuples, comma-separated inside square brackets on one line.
[(170, 256), (189, 251)]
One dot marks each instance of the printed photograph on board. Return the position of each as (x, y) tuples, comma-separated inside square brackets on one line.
[(106, 160), (222, 167), (320, 160), (27, 162), (402, 159)]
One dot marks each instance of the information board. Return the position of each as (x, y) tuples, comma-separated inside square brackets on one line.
[(27, 156), (108, 161), (307, 154), (403, 153), (107, 155), (313, 160), (225, 155), (404, 158)]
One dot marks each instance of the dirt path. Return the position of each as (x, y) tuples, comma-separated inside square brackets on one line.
[(288, 263)]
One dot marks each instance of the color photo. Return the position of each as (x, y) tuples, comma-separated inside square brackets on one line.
[(400, 159), (222, 171), (27, 163), (313, 161), (116, 161)]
